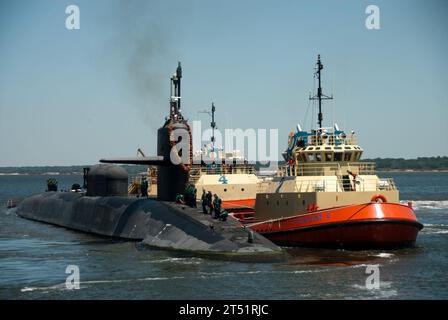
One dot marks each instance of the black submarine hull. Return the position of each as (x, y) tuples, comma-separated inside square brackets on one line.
[(159, 224)]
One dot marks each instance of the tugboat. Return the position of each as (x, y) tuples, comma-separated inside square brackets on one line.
[(325, 197), (225, 173)]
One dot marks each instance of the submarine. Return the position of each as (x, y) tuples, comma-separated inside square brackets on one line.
[(105, 208)]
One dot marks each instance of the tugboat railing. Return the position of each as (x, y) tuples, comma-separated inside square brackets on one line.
[(330, 139), (222, 169), (338, 186), (328, 169)]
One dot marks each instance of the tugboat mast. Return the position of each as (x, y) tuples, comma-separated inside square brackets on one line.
[(320, 96), (213, 125)]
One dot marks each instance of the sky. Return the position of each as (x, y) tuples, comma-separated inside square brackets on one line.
[(71, 97)]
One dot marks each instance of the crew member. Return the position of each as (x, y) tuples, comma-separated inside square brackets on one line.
[(223, 216), (180, 199), (217, 206), (189, 195), (204, 200), (355, 179), (194, 200), (210, 202), (75, 188), (144, 187), (52, 184)]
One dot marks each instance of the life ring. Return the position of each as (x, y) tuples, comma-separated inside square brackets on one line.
[(378, 197)]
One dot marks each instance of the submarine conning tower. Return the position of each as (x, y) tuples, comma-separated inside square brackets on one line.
[(174, 145), (174, 148)]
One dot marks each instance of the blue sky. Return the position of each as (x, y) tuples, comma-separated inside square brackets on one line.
[(73, 97)]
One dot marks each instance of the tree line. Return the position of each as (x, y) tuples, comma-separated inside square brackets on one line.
[(419, 164)]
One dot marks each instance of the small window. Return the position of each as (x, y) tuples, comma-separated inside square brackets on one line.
[(318, 157), (348, 148), (310, 148), (242, 189), (317, 148), (327, 148), (338, 156), (225, 190), (278, 202)]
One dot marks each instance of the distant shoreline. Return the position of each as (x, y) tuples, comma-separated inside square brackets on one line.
[(11, 174), (412, 170), (422, 164), (41, 174)]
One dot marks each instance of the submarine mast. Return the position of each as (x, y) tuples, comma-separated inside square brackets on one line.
[(320, 96), (175, 111)]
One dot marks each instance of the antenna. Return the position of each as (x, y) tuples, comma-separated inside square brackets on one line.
[(175, 112), (320, 96), (213, 125)]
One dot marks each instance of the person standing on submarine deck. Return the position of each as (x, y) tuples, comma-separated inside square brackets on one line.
[(144, 187), (217, 206), (204, 201), (210, 202)]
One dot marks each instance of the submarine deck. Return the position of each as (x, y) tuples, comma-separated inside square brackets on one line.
[(158, 224)]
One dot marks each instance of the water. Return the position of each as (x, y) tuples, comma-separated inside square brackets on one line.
[(34, 257)]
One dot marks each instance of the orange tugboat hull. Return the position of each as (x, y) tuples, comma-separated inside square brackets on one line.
[(371, 225)]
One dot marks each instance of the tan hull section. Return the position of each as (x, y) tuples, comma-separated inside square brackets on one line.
[(285, 204), (235, 190)]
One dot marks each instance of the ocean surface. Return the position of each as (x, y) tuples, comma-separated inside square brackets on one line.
[(34, 257)]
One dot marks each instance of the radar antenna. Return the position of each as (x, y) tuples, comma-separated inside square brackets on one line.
[(320, 96)]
